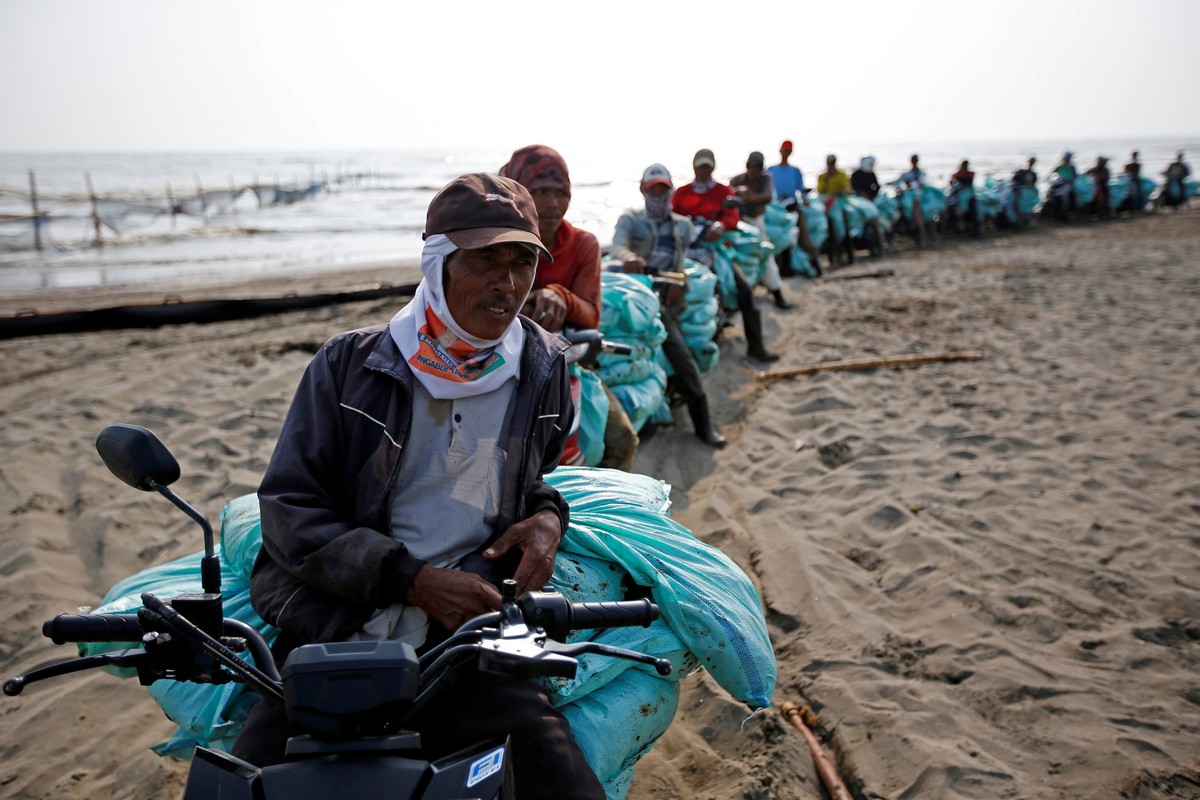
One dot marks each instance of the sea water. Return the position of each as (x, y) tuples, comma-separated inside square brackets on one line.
[(367, 209)]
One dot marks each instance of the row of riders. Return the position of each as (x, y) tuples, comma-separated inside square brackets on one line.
[(860, 213)]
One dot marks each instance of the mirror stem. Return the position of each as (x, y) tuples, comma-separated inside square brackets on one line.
[(210, 566)]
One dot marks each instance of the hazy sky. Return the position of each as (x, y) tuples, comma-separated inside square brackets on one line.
[(299, 75)]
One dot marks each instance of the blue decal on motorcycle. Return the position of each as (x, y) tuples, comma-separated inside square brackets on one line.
[(486, 766)]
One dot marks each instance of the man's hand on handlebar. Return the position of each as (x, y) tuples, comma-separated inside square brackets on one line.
[(547, 308), (635, 265), (537, 538)]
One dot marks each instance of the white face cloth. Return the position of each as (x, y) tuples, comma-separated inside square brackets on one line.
[(449, 362)]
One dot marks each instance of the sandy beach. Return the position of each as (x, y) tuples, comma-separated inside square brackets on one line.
[(983, 577)]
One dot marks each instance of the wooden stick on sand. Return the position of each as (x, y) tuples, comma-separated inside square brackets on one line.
[(853, 276), (770, 375), (797, 716)]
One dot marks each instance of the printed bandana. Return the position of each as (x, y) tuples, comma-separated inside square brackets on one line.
[(449, 362)]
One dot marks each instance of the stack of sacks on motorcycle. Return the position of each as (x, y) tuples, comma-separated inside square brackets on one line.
[(630, 315), (743, 247), (698, 323), (620, 541)]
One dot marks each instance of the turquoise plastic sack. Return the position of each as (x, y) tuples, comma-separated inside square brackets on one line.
[(989, 203), (1085, 189), (802, 264), (241, 534), (627, 371), (630, 314), (889, 208), (816, 222), (849, 214), (780, 226), (642, 399), (614, 756), (627, 304), (744, 248), (933, 202), (621, 534), (702, 283), (706, 599), (593, 416)]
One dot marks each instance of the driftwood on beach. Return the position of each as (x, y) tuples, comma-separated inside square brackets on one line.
[(770, 375), (858, 275)]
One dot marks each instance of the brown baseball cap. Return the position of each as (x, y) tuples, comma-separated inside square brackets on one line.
[(704, 156), (479, 209)]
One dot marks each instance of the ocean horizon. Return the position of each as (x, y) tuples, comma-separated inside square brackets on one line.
[(367, 208)]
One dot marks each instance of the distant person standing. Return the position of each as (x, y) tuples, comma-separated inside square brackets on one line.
[(1024, 179), (1100, 175), (755, 189), (790, 190), (1174, 193), (1062, 187), (963, 182), (914, 178), (1133, 172), (1026, 176), (863, 181)]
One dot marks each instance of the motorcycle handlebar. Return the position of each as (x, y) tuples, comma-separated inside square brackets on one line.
[(626, 613), (552, 612), (92, 628), (617, 349)]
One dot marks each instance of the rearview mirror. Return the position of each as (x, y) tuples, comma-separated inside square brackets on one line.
[(137, 457)]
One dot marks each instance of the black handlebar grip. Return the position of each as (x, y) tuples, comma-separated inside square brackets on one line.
[(618, 349), (627, 613), (92, 628)]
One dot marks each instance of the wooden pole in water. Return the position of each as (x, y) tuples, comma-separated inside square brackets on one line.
[(200, 196), (171, 204), (95, 209), (37, 215), (233, 192)]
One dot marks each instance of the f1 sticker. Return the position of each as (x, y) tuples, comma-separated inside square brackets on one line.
[(485, 766)]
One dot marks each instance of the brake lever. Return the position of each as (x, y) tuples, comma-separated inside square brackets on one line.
[(130, 657), (661, 665)]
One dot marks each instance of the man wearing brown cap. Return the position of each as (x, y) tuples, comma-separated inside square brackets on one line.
[(408, 480)]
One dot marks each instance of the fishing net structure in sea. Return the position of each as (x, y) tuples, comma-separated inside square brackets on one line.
[(65, 222)]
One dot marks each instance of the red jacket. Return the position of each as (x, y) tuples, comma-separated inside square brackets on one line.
[(574, 275), (690, 203)]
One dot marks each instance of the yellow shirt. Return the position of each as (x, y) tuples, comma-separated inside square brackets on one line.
[(835, 184)]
